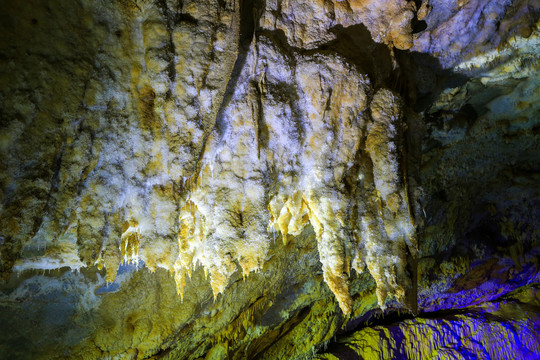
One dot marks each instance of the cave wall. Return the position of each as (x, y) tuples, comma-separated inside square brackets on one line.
[(268, 179)]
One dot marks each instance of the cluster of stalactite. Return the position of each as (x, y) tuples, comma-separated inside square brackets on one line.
[(197, 136)]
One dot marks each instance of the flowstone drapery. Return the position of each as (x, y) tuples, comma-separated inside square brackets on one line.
[(199, 147)]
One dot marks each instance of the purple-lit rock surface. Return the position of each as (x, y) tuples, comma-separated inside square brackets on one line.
[(269, 179)]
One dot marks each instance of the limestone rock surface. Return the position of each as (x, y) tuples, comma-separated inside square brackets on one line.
[(268, 179)]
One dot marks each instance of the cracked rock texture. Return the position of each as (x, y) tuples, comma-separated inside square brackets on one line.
[(269, 179)]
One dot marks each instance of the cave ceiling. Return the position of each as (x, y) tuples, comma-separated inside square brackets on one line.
[(269, 179)]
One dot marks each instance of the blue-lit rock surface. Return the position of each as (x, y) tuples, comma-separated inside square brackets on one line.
[(269, 179)]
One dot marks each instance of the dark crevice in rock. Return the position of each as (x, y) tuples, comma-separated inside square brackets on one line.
[(419, 26), (432, 78), (248, 22), (171, 20), (261, 129), (261, 345), (54, 182), (184, 18)]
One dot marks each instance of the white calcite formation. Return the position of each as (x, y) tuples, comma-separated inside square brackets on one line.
[(186, 143), (257, 181)]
